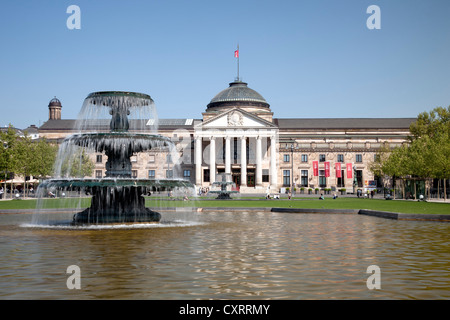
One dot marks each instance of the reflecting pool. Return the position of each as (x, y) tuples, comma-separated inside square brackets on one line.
[(227, 255)]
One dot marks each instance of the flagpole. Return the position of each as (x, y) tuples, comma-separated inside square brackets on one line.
[(238, 62)]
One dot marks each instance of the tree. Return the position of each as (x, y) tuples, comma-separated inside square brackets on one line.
[(77, 165), (427, 155), (430, 144), (44, 158), (7, 140)]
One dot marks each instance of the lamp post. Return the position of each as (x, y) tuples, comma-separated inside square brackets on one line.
[(292, 167)]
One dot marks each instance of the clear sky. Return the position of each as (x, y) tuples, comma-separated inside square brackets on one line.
[(308, 59)]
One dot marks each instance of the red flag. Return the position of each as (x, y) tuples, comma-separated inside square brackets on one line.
[(327, 168), (316, 168), (349, 170), (338, 170), (236, 54)]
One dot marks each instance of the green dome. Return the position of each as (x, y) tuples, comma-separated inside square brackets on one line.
[(238, 94)]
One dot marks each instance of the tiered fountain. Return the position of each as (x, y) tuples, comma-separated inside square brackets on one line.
[(224, 183), (117, 197)]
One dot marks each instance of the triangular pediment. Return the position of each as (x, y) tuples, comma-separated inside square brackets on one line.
[(236, 118)]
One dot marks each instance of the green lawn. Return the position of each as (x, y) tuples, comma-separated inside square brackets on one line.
[(340, 203), (400, 206)]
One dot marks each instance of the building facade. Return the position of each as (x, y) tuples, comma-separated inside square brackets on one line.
[(238, 134)]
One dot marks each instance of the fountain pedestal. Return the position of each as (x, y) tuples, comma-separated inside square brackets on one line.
[(122, 204)]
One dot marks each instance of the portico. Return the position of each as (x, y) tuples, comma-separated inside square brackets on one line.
[(239, 143)]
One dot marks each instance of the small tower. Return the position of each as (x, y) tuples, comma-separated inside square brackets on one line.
[(54, 108)]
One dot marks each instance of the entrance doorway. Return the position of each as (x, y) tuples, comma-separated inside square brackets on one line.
[(250, 177)]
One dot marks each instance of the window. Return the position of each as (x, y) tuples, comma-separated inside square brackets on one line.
[(340, 158), (169, 174), (304, 178), (169, 158), (151, 158), (98, 174), (286, 158), (304, 158), (151, 174), (286, 178), (322, 179), (187, 174), (321, 157), (134, 173), (206, 175), (265, 175), (99, 158), (359, 158)]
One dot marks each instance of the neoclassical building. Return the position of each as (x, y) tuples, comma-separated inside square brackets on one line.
[(238, 134)]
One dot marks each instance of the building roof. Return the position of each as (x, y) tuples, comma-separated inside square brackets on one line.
[(54, 102), (282, 123), (70, 124), (344, 123)]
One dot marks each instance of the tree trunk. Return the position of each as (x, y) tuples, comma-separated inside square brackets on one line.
[(438, 195), (445, 191), (393, 186), (415, 191)]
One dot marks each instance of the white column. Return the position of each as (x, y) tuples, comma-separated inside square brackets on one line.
[(273, 163), (212, 160), (227, 155), (198, 161), (258, 162), (243, 162)]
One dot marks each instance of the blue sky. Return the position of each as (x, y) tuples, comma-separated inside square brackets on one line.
[(308, 59)]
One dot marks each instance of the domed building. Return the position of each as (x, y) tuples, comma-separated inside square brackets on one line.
[(237, 127), (239, 95), (54, 109), (238, 134)]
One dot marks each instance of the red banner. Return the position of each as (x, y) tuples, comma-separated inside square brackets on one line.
[(349, 170), (338, 170), (327, 168), (316, 168)]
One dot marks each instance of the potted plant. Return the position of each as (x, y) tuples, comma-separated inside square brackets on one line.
[(309, 191), (343, 191), (302, 190), (287, 190), (317, 190)]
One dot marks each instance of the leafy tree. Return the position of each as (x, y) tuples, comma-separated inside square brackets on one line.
[(22, 162), (427, 155), (44, 158), (7, 141), (77, 165), (430, 144)]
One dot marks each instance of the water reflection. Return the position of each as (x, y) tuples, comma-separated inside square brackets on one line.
[(229, 255)]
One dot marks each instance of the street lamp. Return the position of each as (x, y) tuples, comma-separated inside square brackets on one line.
[(292, 167)]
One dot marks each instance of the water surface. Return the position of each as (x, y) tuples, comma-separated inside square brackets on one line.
[(228, 255)]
